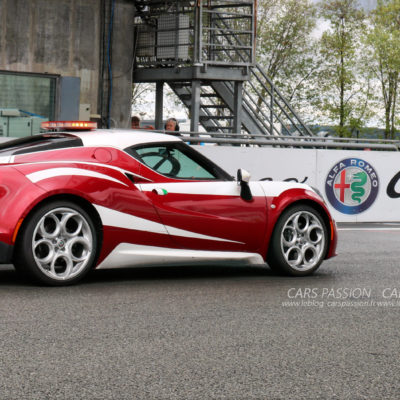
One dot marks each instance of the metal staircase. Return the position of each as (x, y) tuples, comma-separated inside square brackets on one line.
[(204, 51), (270, 115), (214, 114)]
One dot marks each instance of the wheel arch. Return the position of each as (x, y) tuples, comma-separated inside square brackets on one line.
[(318, 207), (82, 202), (311, 203)]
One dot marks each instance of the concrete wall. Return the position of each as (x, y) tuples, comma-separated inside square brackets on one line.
[(122, 64), (65, 37)]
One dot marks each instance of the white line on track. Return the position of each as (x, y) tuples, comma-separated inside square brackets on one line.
[(368, 229)]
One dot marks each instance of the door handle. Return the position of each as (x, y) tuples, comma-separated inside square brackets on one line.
[(160, 191)]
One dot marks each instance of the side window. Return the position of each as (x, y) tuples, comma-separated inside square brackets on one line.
[(171, 161)]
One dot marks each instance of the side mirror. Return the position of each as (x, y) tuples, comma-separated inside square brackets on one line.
[(243, 179), (243, 176)]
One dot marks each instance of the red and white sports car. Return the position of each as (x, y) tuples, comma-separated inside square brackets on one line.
[(73, 201)]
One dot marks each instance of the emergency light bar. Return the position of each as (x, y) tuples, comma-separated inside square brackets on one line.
[(70, 125)]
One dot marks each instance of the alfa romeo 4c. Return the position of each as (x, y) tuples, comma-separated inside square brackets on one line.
[(71, 201)]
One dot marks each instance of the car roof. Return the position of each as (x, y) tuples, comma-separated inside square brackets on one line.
[(122, 138)]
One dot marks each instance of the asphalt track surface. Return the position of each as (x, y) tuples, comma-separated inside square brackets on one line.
[(211, 333)]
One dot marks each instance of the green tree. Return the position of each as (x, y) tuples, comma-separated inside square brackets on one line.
[(139, 91), (384, 39), (143, 101), (342, 88), (285, 46)]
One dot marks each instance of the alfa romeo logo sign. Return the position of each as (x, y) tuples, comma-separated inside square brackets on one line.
[(352, 186)]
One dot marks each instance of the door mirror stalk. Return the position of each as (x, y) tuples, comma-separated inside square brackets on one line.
[(243, 179)]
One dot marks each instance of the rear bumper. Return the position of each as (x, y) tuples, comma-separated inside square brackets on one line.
[(6, 252)]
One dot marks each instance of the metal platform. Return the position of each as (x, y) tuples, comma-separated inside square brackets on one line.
[(205, 51)]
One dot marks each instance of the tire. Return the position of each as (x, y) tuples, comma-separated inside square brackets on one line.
[(299, 242), (57, 245)]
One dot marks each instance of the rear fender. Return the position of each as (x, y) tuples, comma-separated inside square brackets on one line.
[(17, 196)]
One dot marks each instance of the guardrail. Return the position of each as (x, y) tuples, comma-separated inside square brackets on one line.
[(280, 141), (284, 141)]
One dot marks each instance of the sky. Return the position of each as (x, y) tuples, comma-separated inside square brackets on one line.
[(368, 5)]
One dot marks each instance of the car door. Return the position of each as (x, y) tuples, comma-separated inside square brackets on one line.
[(201, 206)]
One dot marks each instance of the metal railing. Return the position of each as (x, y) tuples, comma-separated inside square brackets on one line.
[(275, 115), (216, 45), (172, 33), (164, 33), (284, 141)]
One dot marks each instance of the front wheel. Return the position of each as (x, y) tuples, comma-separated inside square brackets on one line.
[(57, 245), (299, 242)]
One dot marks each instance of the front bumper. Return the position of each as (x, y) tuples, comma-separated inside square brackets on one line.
[(333, 242)]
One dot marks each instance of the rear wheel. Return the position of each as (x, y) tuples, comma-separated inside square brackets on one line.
[(58, 244), (299, 242)]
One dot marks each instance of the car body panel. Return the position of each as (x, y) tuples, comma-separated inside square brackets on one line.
[(128, 255), (212, 209), (122, 138), (17, 196), (147, 217)]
